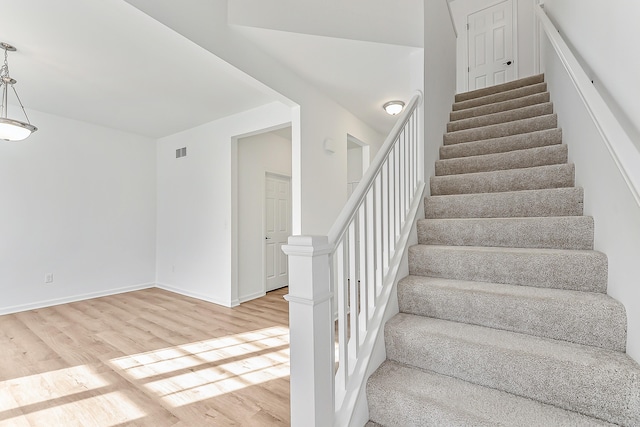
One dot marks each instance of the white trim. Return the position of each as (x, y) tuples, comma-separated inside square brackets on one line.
[(74, 298), (514, 39), (345, 413), (453, 21), (250, 297), (307, 301), (536, 40), (514, 29), (235, 238), (170, 288), (622, 149)]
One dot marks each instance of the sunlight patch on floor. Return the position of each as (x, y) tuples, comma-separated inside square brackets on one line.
[(70, 411), (193, 372), (34, 389)]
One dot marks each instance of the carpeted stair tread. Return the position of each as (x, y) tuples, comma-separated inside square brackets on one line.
[(516, 127), (545, 203), (504, 87), (566, 232), (580, 317), (518, 159), (502, 117), (506, 144), (535, 178), (542, 268), (401, 396), (592, 381), (500, 97), (537, 98), (504, 317)]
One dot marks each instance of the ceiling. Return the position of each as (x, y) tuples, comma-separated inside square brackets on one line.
[(108, 63), (359, 75)]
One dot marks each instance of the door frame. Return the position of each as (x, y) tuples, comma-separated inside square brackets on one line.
[(366, 152), (462, 42), (264, 220), (235, 255)]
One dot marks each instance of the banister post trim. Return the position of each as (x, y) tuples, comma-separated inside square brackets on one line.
[(311, 331)]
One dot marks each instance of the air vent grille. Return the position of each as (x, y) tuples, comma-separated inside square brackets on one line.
[(181, 152)]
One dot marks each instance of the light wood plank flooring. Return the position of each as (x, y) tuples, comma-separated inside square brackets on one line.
[(146, 358)]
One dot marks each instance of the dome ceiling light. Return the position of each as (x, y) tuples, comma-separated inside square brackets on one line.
[(393, 107)]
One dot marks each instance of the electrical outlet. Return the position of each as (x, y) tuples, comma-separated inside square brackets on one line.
[(48, 278)]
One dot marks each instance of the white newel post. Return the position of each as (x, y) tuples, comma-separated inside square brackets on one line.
[(310, 325)]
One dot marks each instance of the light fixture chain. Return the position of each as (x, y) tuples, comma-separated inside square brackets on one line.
[(20, 102), (4, 72)]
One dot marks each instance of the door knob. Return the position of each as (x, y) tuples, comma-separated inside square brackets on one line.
[(507, 63)]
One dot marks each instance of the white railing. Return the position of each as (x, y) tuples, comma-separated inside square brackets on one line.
[(620, 146), (339, 285)]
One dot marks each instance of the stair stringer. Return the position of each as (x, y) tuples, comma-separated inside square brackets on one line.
[(355, 410)]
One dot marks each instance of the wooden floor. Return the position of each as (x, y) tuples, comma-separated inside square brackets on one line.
[(146, 358)]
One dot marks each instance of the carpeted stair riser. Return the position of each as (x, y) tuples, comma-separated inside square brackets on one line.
[(525, 101), (504, 87), (549, 202), (536, 178), (400, 397), (500, 97), (579, 317), (589, 380), (516, 127), (567, 232), (503, 117), (542, 268), (506, 144), (504, 318), (531, 157)]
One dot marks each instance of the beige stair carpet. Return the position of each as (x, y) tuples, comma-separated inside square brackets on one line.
[(504, 317)]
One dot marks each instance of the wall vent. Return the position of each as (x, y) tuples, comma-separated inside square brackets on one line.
[(181, 152)]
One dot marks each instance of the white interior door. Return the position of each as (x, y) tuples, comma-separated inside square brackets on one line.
[(277, 230), (490, 42)]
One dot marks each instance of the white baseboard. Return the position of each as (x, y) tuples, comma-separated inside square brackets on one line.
[(73, 298), (196, 295), (252, 296)]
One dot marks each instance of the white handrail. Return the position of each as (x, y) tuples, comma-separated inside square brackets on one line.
[(343, 282), (367, 242), (624, 153), (340, 225)]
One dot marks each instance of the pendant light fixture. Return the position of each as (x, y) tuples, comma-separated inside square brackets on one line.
[(11, 129)]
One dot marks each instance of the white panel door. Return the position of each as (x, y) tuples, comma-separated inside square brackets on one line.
[(277, 221), (490, 36)]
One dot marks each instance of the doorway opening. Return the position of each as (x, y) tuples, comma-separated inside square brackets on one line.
[(357, 162), (491, 46), (261, 157)]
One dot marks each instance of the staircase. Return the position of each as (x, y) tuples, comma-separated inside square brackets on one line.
[(504, 318)]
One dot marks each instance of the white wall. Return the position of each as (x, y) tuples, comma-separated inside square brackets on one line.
[(318, 178), (381, 21), (604, 36), (523, 30), (79, 202), (439, 79), (607, 196), (257, 155), (196, 221)]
